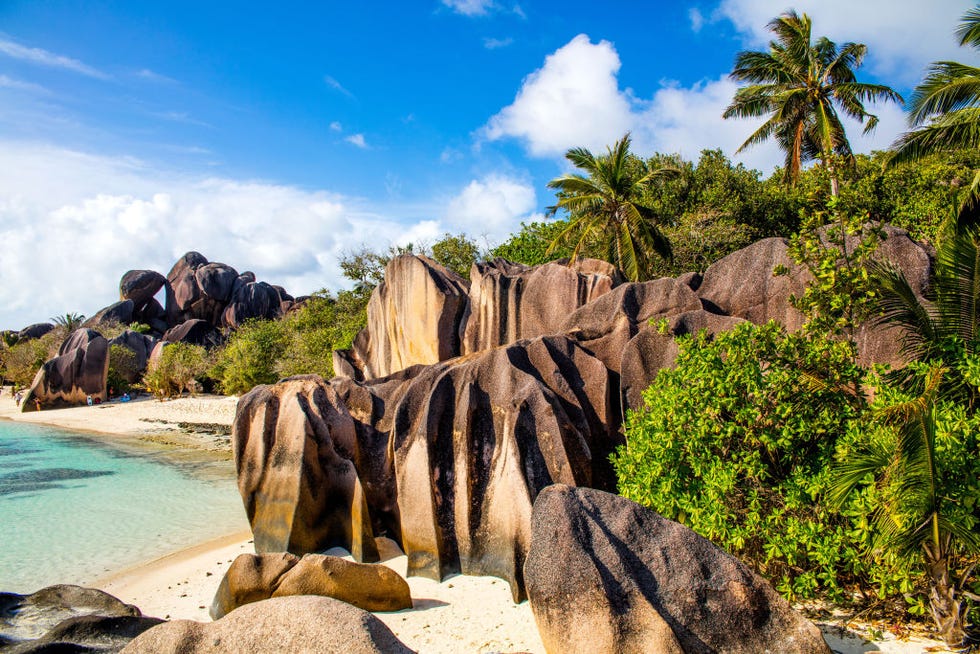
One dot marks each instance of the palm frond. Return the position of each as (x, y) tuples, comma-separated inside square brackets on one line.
[(947, 86), (899, 304), (969, 28)]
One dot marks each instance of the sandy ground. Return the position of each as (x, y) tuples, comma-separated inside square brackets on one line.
[(460, 614)]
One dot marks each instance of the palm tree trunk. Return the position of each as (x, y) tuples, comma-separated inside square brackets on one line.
[(948, 610)]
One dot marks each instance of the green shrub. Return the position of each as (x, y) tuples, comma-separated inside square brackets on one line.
[(737, 443), (122, 368), (179, 366), (250, 355)]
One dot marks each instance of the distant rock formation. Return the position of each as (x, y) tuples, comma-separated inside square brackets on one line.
[(31, 332), (141, 346), (256, 577), (79, 371), (302, 623), (606, 575), (68, 619)]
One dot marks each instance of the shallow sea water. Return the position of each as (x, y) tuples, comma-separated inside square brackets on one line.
[(73, 509)]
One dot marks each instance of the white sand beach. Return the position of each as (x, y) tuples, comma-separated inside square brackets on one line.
[(459, 614)]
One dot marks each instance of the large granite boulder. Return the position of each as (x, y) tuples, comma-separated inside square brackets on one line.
[(653, 349), (510, 301), (141, 346), (251, 300), (283, 624), (120, 313), (744, 284), (79, 371), (294, 446), (256, 577), (607, 575), (414, 316), (182, 287), (194, 331), (605, 325), (31, 332), (140, 286), (68, 619)]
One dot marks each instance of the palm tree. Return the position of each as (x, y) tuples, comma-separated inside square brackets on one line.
[(945, 111), (936, 327), (70, 321), (915, 520), (605, 210), (800, 86)]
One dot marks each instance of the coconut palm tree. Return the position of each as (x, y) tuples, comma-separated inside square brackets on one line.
[(605, 209), (944, 111), (802, 88), (916, 520), (944, 322), (70, 321)]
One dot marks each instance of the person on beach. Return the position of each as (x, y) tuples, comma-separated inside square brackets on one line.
[(37, 403), (18, 397), (89, 400)]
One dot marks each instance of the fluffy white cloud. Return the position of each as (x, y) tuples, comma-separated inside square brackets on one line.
[(490, 208), (357, 140), (903, 36), (71, 224), (470, 7), (573, 100)]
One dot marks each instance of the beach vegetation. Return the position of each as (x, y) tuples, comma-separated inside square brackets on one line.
[(69, 321), (123, 369), (181, 367)]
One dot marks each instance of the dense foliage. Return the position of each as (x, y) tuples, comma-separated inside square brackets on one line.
[(181, 367)]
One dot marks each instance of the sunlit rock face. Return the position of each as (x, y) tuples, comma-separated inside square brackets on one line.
[(447, 457), (510, 301), (79, 371)]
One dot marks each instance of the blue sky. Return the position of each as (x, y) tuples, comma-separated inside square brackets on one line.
[(277, 138)]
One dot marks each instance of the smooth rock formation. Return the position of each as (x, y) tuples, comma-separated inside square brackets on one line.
[(195, 332), (120, 312), (743, 284), (413, 317), (282, 624), (79, 370), (140, 286), (650, 351), (37, 330), (68, 619), (294, 446), (607, 575), (605, 325), (182, 287), (256, 577), (510, 301), (251, 300), (140, 345)]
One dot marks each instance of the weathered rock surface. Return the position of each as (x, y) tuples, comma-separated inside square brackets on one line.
[(79, 370), (650, 351), (294, 446), (68, 619), (194, 331), (182, 287), (255, 577), (140, 286), (251, 300), (140, 345), (607, 575), (413, 317), (743, 284), (300, 624), (37, 330), (119, 312), (510, 301), (605, 325)]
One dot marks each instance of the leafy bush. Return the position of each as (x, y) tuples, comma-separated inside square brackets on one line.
[(737, 443), (249, 357), (122, 368), (530, 245), (179, 366)]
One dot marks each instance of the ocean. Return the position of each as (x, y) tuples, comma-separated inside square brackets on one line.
[(73, 508)]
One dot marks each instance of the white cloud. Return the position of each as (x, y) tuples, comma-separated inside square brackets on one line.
[(470, 7), (697, 19), (336, 126), (153, 76), (65, 246), (573, 100), (491, 207), (19, 85), (357, 140), (903, 36), (49, 59), (337, 86), (494, 44)]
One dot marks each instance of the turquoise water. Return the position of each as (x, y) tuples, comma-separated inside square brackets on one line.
[(73, 509)]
